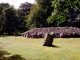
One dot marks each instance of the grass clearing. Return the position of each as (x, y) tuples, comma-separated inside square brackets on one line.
[(32, 49)]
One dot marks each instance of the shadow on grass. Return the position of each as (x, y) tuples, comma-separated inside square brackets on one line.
[(2, 53), (54, 46), (13, 57), (16, 57)]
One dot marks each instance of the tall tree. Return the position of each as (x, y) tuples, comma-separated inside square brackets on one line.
[(74, 13), (64, 12), (3, 8), (11, 23), (23, 12), (39, 13), (25, 8), (12, 20)]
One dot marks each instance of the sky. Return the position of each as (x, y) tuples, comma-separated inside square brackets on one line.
[(16, 3)]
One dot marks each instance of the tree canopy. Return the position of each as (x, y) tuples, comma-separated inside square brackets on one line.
[(43, 13), (64, 13), (39, 13), (55, 13)]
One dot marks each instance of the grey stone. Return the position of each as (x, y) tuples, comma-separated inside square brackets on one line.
[(48, 40)]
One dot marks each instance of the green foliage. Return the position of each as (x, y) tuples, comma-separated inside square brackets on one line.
[(12, 21), (3, 8), (23, 12), (25, 8), (63, 11), (7, 18), (39, 13), (33, 17), (59, 13)]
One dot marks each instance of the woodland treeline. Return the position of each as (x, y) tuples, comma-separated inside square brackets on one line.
[(43, 13)]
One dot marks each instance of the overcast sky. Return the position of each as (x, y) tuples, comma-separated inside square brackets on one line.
[(16, 3)]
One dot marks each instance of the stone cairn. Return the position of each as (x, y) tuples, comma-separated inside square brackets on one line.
[(60, 32)]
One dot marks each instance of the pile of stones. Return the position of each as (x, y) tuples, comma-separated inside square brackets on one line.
[(63, 32)]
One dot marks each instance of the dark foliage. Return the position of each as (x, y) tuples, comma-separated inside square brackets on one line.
[(23, 12), (12, 21), (25, 8), (65, 13), (39, 13)]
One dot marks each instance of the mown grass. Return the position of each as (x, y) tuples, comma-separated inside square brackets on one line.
[(32, 49)]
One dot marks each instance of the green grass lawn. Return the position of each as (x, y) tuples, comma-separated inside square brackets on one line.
[(32, 49)]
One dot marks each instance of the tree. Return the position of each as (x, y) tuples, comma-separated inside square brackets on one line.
[(63, 13), (11, 23), (59, 13), (3, 8), (74, 13), (33, 17), (25, 8), (23, 12), (39, 13)]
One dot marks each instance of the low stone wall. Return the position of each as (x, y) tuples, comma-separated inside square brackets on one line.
[(63, 32)]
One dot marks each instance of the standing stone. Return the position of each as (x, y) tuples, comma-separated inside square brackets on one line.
[(48, 40)]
